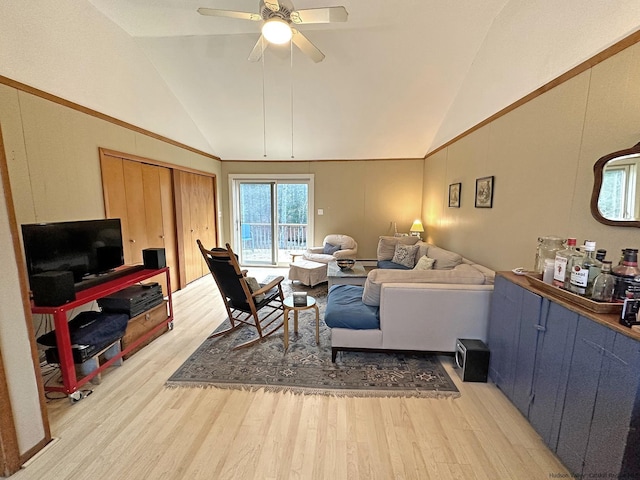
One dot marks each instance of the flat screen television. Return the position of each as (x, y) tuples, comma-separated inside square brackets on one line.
[(85, 247)]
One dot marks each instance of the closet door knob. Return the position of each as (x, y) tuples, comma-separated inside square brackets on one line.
[(132, 241)]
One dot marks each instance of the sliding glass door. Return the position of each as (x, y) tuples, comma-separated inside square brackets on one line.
[(256, 214), (270, 218)]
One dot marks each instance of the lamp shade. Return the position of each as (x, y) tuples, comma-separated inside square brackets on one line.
[(417, 226), (276, 31)]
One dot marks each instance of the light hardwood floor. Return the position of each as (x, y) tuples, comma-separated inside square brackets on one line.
[(132, 427)]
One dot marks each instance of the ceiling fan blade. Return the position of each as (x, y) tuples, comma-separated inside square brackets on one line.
[(308, 48), (272, 5), (214, 12), (258, 49), (320, 15)]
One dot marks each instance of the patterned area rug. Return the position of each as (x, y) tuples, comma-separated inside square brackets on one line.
[(307, 367)]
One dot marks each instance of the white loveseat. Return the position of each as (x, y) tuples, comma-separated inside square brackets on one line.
[(413, 310)]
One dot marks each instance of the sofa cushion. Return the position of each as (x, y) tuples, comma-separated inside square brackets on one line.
[(346, 310), (445, 260), (387, 245), (489, 275), (423, 249), (405, 255), (424, 263), (388, 264), (462, 274)]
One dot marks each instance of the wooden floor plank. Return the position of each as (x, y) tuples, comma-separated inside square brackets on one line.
[(134, 427)]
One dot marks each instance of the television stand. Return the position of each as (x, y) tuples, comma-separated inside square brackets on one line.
[(70, 383)]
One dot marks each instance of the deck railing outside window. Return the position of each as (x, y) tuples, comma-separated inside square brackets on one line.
[(258, 236)]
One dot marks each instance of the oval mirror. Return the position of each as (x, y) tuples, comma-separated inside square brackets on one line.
[(616, 190)]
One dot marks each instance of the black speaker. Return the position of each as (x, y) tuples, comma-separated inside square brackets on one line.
[(154, 258), (51, 289), (472, 358)]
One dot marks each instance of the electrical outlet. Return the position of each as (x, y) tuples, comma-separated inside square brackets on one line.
[(320, 211)]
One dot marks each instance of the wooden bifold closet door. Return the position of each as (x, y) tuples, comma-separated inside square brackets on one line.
[(141, 195), (196, 219)]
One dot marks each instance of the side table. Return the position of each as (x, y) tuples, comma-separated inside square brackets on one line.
[(288, 306), (295, 253)]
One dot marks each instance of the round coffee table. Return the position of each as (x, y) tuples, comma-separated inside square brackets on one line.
[(289, 306)]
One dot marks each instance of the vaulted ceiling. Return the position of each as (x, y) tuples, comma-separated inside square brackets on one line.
[(399, 79)]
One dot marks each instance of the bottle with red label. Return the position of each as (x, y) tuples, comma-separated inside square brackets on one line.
[(627, 277), (563, 257)]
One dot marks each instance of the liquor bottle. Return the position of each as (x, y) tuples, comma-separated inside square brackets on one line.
[(547, 248), (626, 281), (560, 278), (584, 270), (600, 254), (624, 250), (604, 284)]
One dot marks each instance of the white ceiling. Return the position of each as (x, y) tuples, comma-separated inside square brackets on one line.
[(400, 78)]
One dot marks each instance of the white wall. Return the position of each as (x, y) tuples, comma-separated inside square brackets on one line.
[(15, 346), (54, 169), (530, 43), (542, 156), (74, 53)]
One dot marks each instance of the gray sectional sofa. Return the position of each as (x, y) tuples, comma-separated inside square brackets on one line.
[(410, 309)]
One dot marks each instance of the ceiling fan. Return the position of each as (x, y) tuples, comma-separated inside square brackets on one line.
[(277, 17)]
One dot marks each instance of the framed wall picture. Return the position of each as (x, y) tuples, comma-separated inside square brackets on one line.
[(484, 192), (454, 194)]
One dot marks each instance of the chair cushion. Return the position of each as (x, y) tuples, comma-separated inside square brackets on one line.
[(346, 310), (405, 255), (253, 286)]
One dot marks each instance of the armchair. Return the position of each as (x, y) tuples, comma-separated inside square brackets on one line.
[(347, 248), (312, 269)]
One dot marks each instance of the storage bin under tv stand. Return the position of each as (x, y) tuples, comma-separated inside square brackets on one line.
[(70, 383)]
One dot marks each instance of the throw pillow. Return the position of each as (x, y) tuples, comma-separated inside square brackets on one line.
[(405, 255), (330, 249), (387, 245), (425, 263), (254, 286)]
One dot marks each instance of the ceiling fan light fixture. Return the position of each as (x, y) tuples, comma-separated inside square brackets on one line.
[(276, 31)]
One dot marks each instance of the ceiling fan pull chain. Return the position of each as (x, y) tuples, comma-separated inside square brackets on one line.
[(291, 84), (264, 114)]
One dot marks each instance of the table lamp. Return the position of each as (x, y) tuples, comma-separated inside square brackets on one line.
[(417, 228)]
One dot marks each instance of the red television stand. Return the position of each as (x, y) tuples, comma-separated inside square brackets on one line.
[(70, 383)]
